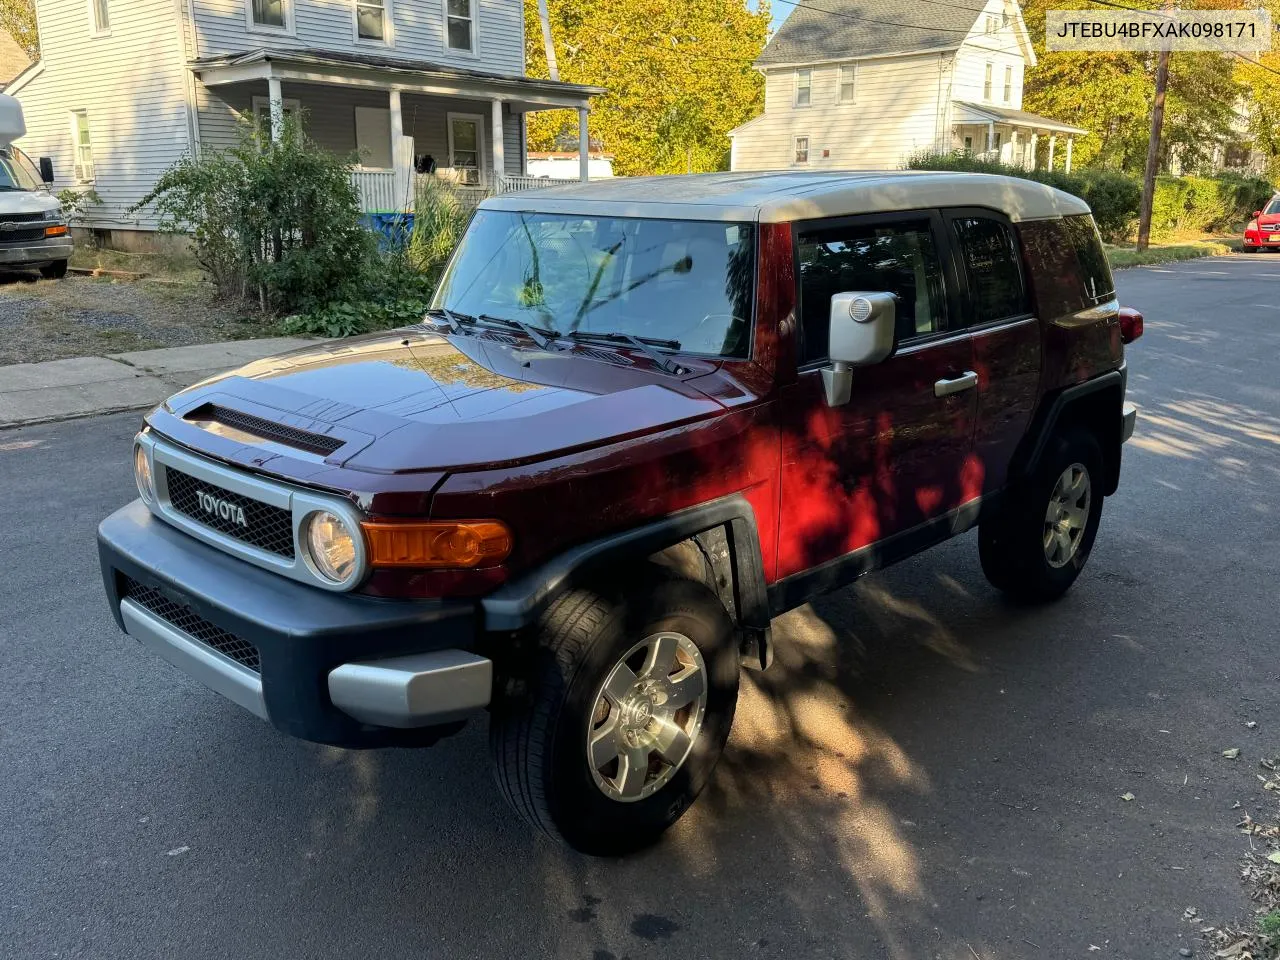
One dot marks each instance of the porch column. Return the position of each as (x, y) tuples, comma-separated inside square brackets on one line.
[(400, 190), (1035, 144), (991, 136), (1053, 139), (275, 108), (496, 149), (1070, 141), (583, 145)]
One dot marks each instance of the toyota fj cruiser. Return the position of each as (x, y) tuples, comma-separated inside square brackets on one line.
[(642, 418)]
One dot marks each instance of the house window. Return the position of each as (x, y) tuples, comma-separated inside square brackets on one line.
[(373, 137), (847, 76), (804, 84), (83, 146), (101, 16), (986, 84), (802, 150), (466, 146), (371, 20), (269, 14), (968, 144), (460, 25), (993, 24), (1008, 84), (262, 110), (995, 144)]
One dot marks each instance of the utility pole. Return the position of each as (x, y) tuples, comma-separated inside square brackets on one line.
[(553, 71), (1153, 148)]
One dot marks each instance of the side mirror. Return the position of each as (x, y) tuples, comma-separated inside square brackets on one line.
[(46, 170), (1257, 213), (861, 334)]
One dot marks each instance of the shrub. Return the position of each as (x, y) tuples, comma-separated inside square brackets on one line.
[(1113, 197), (74, 201), (440, 218), (1183, 204), (276, 220)]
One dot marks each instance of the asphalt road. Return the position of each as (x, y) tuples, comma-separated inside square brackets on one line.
[(929, 772)]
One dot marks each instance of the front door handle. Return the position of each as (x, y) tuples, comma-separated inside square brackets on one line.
[(966, 381)]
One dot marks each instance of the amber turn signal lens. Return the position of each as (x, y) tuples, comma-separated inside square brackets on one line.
[(470, 543), (58, 230)]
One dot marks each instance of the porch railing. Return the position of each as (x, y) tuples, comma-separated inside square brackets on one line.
[(378, 193)]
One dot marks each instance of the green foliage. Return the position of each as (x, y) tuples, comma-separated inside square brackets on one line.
[(74, 201), (19, 18), (276, 220), (1270, 924), (1184, 204), (1113, 197), (678, 75), (440, 218), (347, 318)]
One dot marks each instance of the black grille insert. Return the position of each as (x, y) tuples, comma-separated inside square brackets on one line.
[(258, 426), (23, 235), (191, 623), (265, 527)]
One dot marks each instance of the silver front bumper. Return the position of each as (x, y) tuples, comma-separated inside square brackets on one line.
[(37, 252), (1130, 420)]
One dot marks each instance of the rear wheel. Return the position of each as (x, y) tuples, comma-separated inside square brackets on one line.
[(54, 271), (1038, 543), (628, 706)]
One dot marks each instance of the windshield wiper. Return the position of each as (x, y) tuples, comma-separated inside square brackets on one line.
[(539, 335), (644, 344), (452, 318)]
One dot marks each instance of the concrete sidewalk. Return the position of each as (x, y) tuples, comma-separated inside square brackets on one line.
[(85, 386)]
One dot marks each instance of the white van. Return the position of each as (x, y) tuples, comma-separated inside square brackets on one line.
[(33, 231)]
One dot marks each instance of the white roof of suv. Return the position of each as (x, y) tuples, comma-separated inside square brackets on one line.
[(785, 196)]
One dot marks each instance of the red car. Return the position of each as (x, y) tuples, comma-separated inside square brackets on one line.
[(643, 418), (1263, 231)]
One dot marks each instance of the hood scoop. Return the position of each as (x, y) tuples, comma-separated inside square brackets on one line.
[(249, 429)]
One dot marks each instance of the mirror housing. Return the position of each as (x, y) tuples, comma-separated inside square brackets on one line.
[(861, 334), (46, 169), (1257, 213)]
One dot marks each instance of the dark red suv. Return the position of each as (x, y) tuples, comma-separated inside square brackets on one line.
[(643, 418)]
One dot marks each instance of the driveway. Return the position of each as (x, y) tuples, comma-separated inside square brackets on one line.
[(927, 773)]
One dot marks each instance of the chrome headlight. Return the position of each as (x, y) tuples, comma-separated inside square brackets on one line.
[(331, 546), (142, 474)]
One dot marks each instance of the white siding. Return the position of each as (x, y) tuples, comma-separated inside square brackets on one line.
[(417, 33), (1001, 49), (131, 82), (330, 117), (894, 114)]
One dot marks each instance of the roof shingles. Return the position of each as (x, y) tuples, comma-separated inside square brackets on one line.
[(841, 29)]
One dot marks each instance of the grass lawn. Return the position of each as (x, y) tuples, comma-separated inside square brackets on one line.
[(175, 268), (1172, 249)]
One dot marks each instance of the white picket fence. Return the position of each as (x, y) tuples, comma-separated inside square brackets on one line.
[(378, 193)]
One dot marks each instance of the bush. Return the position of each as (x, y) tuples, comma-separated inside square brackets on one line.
[(1113, 197), (440, 219), (1185, 204), (276, 220)]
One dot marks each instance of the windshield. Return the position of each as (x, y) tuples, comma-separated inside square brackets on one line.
[(677, 280), (17, 172), (1273, 206)]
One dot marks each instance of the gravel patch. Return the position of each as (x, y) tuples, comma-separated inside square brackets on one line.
[(84, 316)]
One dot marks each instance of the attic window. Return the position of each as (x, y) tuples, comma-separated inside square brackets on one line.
[(993, 24), (804, 87)]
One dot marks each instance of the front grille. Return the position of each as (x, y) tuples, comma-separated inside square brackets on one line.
[(191, 623), (21, 236), (260, 427), (23, 217), (265, 527)]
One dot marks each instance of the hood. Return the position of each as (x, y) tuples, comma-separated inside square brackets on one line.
[(28, 201), (414, 400), (1268, 219)]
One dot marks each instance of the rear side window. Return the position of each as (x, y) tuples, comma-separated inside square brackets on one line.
[(990, 258), (1069, 269), (900, 258)]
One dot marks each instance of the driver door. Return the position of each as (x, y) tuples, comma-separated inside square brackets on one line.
[(896, 460)]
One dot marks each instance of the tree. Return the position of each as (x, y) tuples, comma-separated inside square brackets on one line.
[(19, 18), (679, 78)]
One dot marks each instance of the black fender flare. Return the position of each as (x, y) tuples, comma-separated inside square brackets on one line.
[(1033, 446), (520, 602)]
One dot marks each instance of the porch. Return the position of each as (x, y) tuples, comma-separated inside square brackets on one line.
[(1010, 136), (401, 120)]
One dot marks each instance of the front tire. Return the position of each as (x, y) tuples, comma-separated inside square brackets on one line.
[(1038, 543), (628, 705), (54, 271)]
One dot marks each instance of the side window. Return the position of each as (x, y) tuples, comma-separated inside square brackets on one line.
[(1068, 266), (900, 258), (1095, 272), (990, 257)]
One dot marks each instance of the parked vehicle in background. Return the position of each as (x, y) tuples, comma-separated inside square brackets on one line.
[(643, 418), (1263, 231), (33, 231)]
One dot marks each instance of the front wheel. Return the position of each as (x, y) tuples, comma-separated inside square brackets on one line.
[(54, 271), (1036, 546), (626, 709), (1248, 249)]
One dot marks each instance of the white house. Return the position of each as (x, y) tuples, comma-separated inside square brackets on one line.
[(560, 164), (867, 83), (124, 88)]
